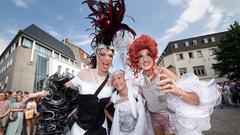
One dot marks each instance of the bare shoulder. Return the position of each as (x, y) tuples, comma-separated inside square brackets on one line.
[(84, 72)]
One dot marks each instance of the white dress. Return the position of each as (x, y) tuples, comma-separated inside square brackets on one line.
[(190, 119), (89, 88), (125, 122)]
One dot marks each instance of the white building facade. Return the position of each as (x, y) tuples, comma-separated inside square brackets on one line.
[(194, 55)]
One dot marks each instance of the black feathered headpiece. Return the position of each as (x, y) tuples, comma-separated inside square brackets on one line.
[(107, 21)]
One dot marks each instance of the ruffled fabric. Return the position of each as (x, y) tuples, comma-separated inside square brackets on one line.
[(189, 119)]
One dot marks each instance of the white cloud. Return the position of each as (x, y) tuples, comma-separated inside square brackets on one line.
[(175, 2), (60, 17), (215, 18), (21, 3), (194, 12), (221, 12)]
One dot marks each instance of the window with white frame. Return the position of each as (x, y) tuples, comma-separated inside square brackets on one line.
[(63, 58), (199, 54), (6, 55), (12, 48), (7, 64), (194, 42), (180, 56), (205, 40), (72, 62), (56, 55), (6, 79), (182, 71), (213, 39), (27, 42), (175, 45), (199, 71), (10, 62), (186, 43)]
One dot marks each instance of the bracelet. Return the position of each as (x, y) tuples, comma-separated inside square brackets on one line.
[(183, 93)]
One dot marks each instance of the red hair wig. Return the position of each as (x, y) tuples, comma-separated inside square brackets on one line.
[(141, 43)]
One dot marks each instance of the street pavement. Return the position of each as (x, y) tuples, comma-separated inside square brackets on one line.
[(225, 121)]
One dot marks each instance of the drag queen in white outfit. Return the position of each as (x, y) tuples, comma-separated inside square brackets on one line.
[(177, 105)]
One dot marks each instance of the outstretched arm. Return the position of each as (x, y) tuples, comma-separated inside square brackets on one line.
[(39, 94)]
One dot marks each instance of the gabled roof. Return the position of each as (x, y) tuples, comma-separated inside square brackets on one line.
[(42, 36)]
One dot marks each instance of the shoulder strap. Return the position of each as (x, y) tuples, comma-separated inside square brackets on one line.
[(102, 85)]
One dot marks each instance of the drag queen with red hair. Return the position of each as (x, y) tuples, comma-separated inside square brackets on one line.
[(180, 106)]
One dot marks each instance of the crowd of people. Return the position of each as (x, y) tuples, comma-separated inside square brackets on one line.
[(230, 92), (17, 116)]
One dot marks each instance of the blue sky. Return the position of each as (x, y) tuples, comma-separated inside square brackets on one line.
[(164, 20)]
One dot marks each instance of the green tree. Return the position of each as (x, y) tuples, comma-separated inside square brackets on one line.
[(228, 55)]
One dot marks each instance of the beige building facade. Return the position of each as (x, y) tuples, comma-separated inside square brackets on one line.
[(193, 55)]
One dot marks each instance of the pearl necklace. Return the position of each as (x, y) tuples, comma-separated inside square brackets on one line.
[(148, 79), (98, 78)]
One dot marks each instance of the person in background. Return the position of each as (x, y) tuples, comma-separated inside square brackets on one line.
[(15, 127), (4, 111), (30, 116)]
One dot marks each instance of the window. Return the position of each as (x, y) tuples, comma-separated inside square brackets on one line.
[(6, 55), (6, 80), (10, 63), (199, 54), (186, 43), (205, 40), (199, 70), (41, 72), (43, 50), (63, 58), (190, 54), (175, 45), (180, 56), (194, 42), (7, 64), (72, 62), (12, 48), (56, 55), (213, 39), (27, 42), (1, 61), (182, 71), (212, 51)]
